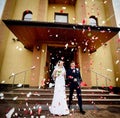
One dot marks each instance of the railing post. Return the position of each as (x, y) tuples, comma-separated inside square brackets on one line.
[(24, 79), (106, 81), (13, 81), (96, 81)]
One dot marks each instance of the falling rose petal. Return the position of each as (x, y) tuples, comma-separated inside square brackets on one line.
[(83, 84), (74, 27), (62, 58), (85, 49), (72, 43), (19, 85), (109, 70), (15, 98), (110, 87), (38, 57), (102, 31), (89, 29), (117, 79), (83, 31), (43, 50), (43, 82), (13, 74), (26, 104), (61, 11), (31, 112), (72, 49), (117, 61), (29, 94), (119, 40), (9, 114), (66, 45), (83, 21), (39, 110), (72, 110), (105, 1), (3, 82), (73, 18)]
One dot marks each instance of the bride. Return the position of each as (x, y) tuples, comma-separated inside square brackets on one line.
[(59, 103)]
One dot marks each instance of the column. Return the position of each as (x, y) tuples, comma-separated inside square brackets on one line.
[(36, 65)]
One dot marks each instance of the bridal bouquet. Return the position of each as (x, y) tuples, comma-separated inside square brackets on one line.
[(59, 71)]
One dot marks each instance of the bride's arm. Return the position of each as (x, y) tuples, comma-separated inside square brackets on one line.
[(54, 73)]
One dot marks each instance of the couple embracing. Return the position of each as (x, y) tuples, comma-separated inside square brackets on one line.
[(59, 103)]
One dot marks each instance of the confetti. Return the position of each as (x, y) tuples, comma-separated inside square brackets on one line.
[(117, 61), (66, 45), (39, 110), (109, 70), (33, 67), (19, 85), (15, 98), (83, 22), (38, 57), (31, 112), (3, 82), (26, 104), (64, 8), (117, 79), (42, 116), (61, 11), (43, 50), (83, 84), (110, 87), (9, 114), (29, 94), (118, 40)]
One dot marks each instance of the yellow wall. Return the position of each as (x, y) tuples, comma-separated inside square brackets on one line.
[(95, 8), (55, 8), (22, 5), (15, 58), (114, 43), (80, 11), (4, 32)]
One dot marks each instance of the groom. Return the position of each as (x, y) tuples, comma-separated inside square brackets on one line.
[(74, 80)]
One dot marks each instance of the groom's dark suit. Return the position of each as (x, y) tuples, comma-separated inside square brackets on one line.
[(74, 79)]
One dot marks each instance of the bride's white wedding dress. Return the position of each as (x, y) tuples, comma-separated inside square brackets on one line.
[(59, 103)]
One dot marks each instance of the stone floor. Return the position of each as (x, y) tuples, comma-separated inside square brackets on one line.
[(99, 111), (92, 111)]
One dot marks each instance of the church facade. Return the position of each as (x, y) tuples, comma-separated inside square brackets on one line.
[(31, 62)]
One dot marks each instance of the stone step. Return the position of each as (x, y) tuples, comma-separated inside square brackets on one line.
[(50, 95), (35, 90), (18, 100)]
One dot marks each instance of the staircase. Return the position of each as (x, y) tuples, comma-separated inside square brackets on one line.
[(30, 101)]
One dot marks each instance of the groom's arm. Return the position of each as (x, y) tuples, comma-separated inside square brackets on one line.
[(79, 75)]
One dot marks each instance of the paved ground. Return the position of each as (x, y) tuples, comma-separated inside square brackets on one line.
[(99, 111), (92, 111)]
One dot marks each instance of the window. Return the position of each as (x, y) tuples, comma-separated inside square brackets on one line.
[(93, 21), (27, 15), (2, 4), (61, 17)]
